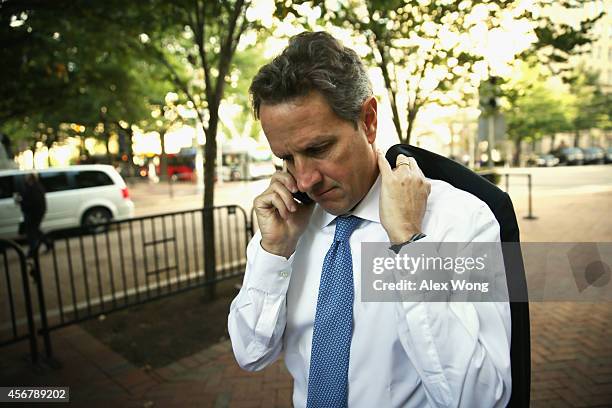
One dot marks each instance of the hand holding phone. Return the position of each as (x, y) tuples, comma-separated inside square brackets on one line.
[(281, 218)]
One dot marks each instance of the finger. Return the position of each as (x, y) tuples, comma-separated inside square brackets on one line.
[(402, 159), (383, 165), (280, 205), (286, 179), (415, 167), (271, 201), (284, 194)]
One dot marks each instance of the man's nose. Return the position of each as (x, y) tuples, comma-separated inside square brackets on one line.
[(306, 174)]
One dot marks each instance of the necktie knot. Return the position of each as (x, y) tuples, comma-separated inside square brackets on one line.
[(345, 227)]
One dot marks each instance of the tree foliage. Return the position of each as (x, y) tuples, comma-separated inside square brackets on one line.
[(535, 108), (420, 46), (557, 42), (589, 106), (65, 72)]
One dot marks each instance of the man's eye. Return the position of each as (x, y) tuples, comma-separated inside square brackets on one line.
[(317, 151)]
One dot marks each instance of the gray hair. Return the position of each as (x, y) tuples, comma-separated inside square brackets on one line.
[(314, 61)]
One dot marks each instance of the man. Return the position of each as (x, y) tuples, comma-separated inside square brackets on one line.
[(317, 111), (33, 207)]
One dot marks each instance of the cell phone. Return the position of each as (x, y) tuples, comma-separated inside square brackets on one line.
[(300, 196)]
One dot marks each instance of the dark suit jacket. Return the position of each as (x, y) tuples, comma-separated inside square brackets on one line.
[(440, 168)]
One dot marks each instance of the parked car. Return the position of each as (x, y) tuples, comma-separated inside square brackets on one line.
[(84, 195), (594, 155), (547, 160), (570, 156), (608, 158)]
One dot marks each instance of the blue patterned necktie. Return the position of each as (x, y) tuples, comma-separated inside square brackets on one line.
[(333, 325)]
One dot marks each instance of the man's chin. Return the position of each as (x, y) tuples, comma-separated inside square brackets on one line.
[(335, 207)]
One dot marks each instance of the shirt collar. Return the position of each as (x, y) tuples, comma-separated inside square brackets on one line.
[(367, 209)]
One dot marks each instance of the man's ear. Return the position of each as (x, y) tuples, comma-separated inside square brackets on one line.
[(369, 118)]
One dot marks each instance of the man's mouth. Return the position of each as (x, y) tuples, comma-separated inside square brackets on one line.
[(323, 194)]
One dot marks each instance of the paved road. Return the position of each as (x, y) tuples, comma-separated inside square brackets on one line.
[(547, 182), (554, 181), (158, 198)]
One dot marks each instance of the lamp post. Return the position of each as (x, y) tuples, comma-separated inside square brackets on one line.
[(489, 105)]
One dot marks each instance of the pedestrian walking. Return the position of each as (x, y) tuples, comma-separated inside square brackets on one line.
[(33, 206)]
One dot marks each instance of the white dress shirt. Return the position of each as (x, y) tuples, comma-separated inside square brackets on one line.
[(403, 354)]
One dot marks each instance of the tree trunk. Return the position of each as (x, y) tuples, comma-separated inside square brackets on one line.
[(392, 94), (106, 143), (396, 121), (33, 149), (48, 144), (210, 154), (163, 157), (82, 150), (130, 152), (577, 138), (412, 113), (517, 154)]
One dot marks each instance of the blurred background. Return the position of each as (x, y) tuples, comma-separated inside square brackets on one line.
[(143, 86), (518, 90)]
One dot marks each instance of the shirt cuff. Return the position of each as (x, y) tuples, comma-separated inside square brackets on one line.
[(271, 273)]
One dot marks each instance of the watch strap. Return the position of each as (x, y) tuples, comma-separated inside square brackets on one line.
[(397, 247)]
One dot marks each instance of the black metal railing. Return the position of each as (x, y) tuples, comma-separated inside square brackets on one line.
[(493, 176), (530, 215), (17, 311), (129, 262)]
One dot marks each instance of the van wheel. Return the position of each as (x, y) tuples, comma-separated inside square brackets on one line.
[(96, 220)]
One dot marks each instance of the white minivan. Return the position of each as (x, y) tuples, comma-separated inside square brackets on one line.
[(84, 195)]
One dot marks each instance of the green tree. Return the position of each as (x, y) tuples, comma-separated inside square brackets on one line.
[(557, 42), (64, 72), (418, 46), (533, 109), (588, 108), (196, 41)]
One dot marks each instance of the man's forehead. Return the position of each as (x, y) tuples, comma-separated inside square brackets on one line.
[(299, 144), (298, 123)]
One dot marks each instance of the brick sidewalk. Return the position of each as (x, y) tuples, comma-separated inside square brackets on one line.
[(571, 347), (99, 377)]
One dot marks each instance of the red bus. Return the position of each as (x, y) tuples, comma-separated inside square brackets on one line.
[(182, 165)]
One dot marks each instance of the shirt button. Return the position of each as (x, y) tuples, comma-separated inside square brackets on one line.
[(284, 274)]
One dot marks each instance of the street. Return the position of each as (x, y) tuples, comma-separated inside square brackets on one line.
[(552, 181), (547, 182)]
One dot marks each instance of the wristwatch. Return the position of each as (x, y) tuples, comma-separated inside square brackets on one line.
[(396, 247)]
